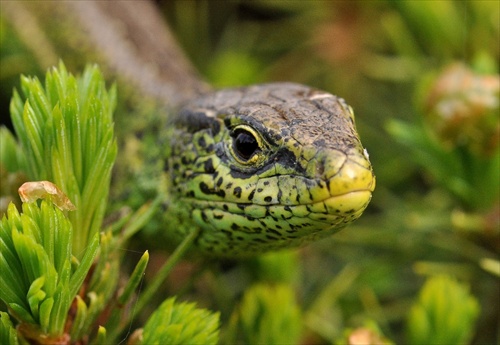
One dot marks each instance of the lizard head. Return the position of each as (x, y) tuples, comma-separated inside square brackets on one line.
[(269, 166)]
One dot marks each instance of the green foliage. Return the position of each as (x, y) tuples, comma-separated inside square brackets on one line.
[(12, 158), (181, 323), (66, 135), (425, 20), (230, 66), (12, 167), (472, 179), (38, 281), (135, 279), (445, 313), (457, 139), (268, 314), (375, 55), (65, 129), (324, 315), (279, 267), (104, 293), (8, 333)]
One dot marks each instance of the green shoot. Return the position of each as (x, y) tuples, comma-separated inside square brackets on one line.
[(65, 129), (181, 323)]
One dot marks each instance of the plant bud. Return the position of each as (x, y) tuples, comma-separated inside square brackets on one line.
[(462, 108)]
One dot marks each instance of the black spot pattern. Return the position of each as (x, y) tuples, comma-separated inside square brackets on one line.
[(276, 201)]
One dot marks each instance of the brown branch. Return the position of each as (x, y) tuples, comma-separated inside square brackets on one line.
[(130, 38), (138, 45)]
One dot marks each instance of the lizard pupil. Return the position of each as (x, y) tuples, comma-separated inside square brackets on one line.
[(244, 144)]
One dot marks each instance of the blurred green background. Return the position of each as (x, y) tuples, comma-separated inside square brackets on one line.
[(422, 77)]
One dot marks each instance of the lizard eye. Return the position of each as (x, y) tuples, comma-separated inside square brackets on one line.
[(245, 143)]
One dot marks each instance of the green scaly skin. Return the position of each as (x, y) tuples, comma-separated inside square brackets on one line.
[(268, 166)]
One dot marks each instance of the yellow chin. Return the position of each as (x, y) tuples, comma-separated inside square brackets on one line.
[(351, 190), (348, 203)]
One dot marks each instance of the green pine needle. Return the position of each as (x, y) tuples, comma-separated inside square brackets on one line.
[(12, 157), (37, 283), (65, 129), (181, 323), (445, 313), (135, 279), (8, 334), (268, 314)]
